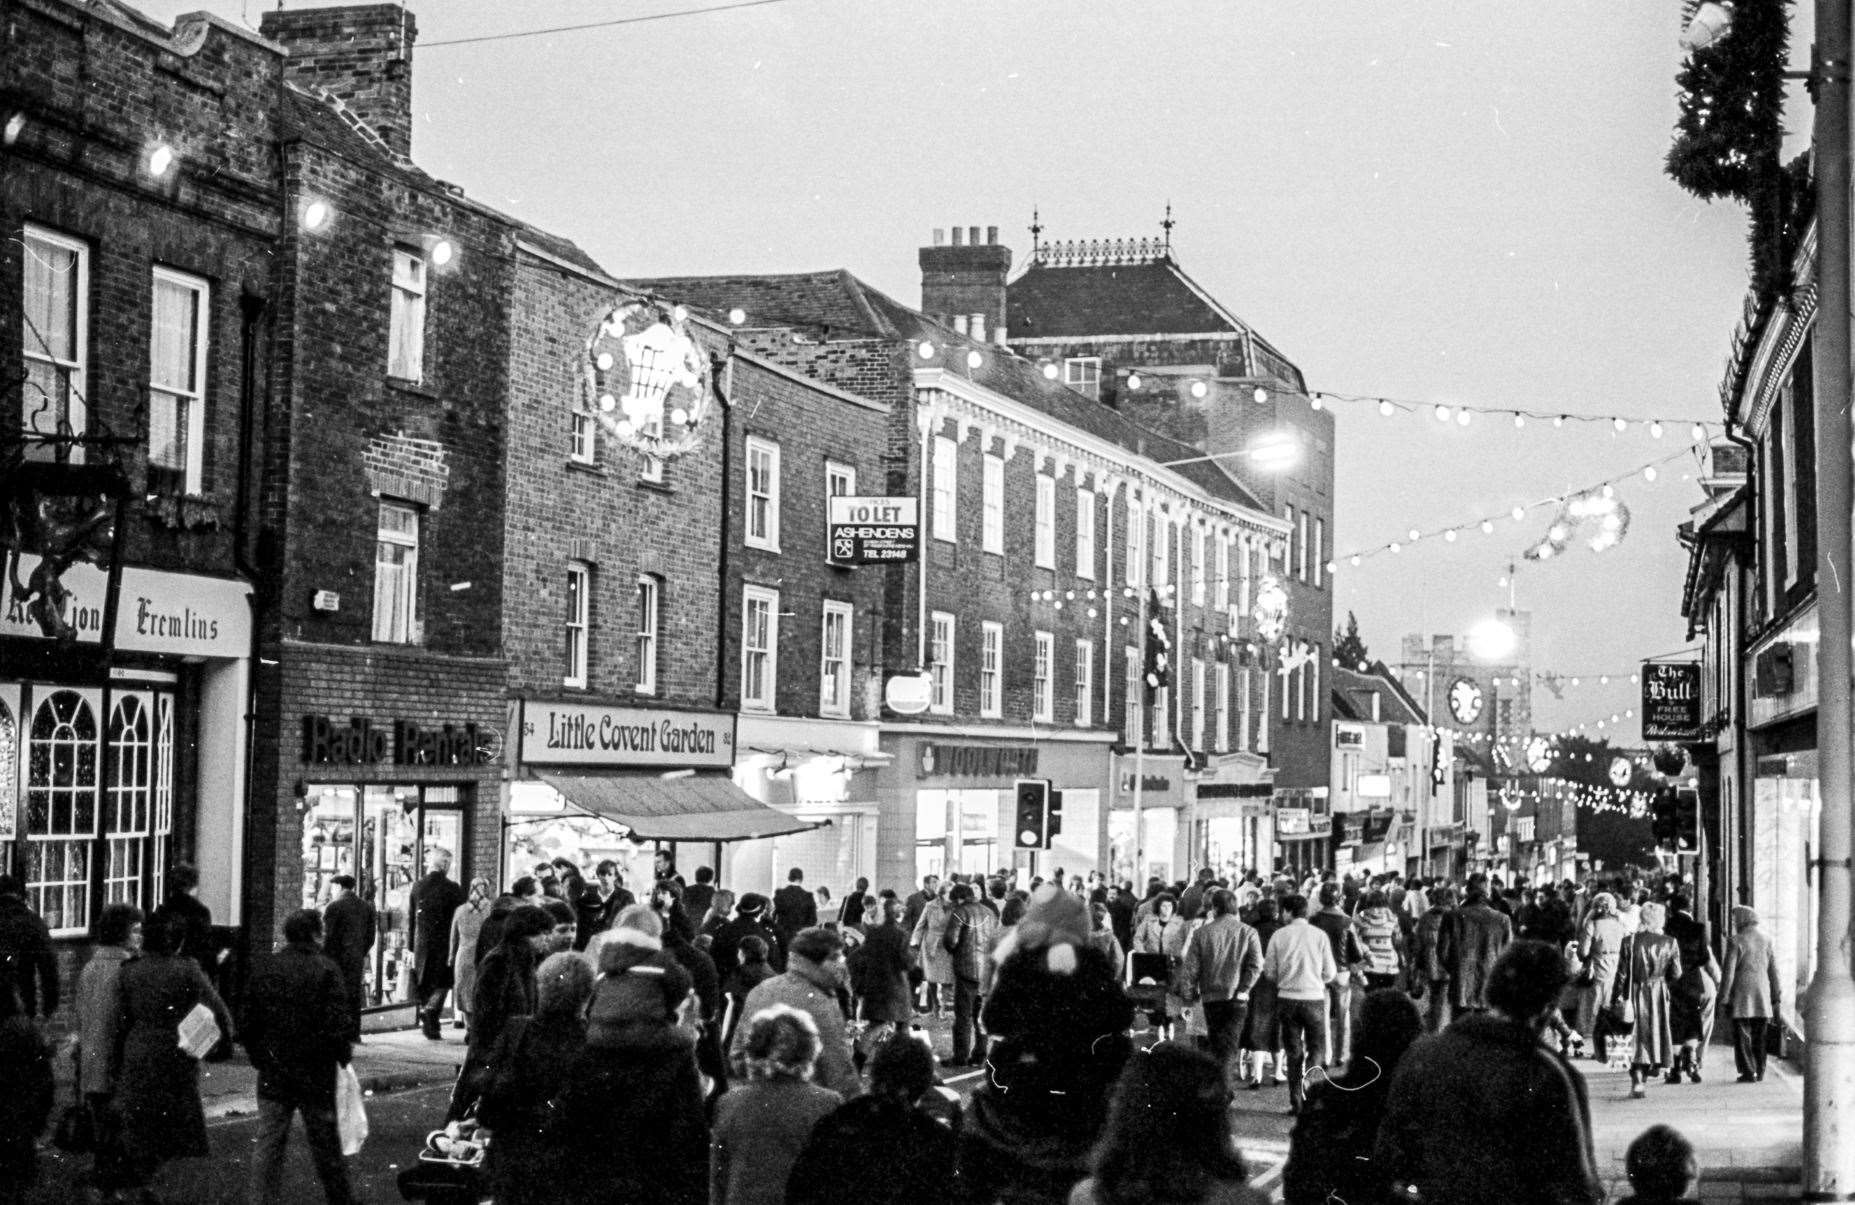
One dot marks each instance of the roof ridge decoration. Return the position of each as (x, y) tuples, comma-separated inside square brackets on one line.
[(1102, 253)]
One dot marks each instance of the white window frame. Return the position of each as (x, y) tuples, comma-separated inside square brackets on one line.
[(1320, 550), (74, 372), (1309, 706), (650, 619), (762, 654), (1085, 534), (190, 400), (1083, 374), (1246, 553), (1288, 543), (1198, 704), (1045, 551), (1085, 683), (1302, 536), (1162, 719), (946, 489), (1220, 593), (840, 481), (1198, 546), (1786, 408), (762, 494), (1221, 731), (1136, 543), (399, 622), (1043, 696), (405, 338), (1289, 688), (991, 669), (992, 505), (582, 436), (941, 652), (835, 702), (578, 626), (1243, 708), (1162, 549), (1133, 707)]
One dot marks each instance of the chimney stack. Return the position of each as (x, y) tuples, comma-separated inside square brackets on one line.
[(362, 54), (967, 280)]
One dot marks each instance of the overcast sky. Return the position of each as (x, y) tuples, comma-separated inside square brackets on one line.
[(1445, 201)]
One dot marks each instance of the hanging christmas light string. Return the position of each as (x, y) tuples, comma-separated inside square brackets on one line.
[(1463, 415), (1592, 524)]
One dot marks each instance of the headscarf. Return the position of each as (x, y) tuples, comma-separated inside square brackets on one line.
[(1651, 917), (1743, 916), (1603, 904), (481, 893)]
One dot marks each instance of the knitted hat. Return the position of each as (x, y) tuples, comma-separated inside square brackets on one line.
[(1055, 920)]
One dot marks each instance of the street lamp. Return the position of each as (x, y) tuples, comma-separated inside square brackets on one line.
[(1493, 640)]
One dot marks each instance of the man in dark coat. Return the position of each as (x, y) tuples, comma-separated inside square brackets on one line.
[(26, 959), (348, 926), (435, 898), (749, 920), (296, 1032), (918, 902), (1477, 935), (793, 908), (1459, 1100)]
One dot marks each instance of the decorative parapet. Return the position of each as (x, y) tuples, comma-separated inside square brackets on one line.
[(1095, 253)]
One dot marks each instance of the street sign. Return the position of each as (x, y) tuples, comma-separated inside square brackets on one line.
[(1670, 700), (874, 531)]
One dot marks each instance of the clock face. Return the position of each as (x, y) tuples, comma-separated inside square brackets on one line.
[(1620, 770), (1464, 701)]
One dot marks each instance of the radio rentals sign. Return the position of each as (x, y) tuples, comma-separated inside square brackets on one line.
[(875, 531)]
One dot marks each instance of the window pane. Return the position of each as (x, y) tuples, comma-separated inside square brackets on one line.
[(172, 359), (50, 314)]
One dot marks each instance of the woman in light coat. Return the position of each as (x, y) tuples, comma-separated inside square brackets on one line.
[(1651, 969), (1600, 943), (466, 924), (99, 1029), (1749, 988), (936, 962), (1165, 932)]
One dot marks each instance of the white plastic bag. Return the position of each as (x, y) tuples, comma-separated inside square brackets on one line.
[(350, 1110)]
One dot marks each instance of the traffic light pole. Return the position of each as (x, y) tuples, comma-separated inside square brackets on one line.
[(1829, 1009)]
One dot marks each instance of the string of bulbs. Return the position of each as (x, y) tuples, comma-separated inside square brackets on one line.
[(1464, 414)]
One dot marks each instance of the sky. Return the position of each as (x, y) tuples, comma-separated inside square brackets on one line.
[(1447, 202)]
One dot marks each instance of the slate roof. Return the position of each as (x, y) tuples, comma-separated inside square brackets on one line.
[(1353, 689), (837, 305), (1111, 299)]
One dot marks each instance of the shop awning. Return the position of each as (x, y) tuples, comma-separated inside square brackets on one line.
[(697, 807)]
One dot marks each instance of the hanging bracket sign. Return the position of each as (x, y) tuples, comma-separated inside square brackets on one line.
[(1671, 701), (875, 531)]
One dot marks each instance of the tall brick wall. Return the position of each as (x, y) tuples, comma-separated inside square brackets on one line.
[(623, 524), (361, 54)]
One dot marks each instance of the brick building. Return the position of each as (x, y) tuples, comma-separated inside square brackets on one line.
[(139, 206), (380, 723)]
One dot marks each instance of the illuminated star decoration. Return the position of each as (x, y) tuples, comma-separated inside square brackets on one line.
[(1596, 516)]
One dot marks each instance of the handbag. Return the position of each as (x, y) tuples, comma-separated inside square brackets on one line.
[(1622, 1009), (350, 1111)]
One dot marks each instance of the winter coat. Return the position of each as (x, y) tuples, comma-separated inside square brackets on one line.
[(879, 975), (26, 958), (936, 962), (1381, 940), (527, 1072), (874, 1150), (794, 909), (158, 1084), (726, 948), (759, 1131), (971, 932), (99, 1018), (1478, 934), (1222, 960), (1460, 1100), (632, 1116), (296, 1025), (26, 1105), (1432, 948), (466, 927), (1750, 985), (505, 990), (348, 928), (1651, 969), (810, 989), (1600, 945), (1330, 1150), (434, 899)]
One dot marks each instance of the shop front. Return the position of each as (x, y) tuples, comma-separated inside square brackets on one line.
[(1148, 829), (592, 781), (824, 773), (1233, 823), (1303, 831), (119, 761), (946, 801)]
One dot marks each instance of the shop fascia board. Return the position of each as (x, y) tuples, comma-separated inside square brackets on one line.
[(951, 733), (1107, 459)]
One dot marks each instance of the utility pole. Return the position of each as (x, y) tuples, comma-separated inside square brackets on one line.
[(1829, 1008)]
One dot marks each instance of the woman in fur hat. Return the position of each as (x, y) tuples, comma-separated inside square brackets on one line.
[(1058, 1018)]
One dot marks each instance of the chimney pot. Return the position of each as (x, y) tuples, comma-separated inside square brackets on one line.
[(940, 236), (972, 234), (959, 236), (991, 236)]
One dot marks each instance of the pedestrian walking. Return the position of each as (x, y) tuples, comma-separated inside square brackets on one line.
[(601, 902), (700, 895), (1651, 969), (1459, 1099), (1693, 1000), (1330, 1153), (721, 907), (749, 920), (1056, 1017), (815, 972), (1381, 941), (1261, 1029), (183, 901), (1478, 934), (927, 939), (1223, 960), (297, 1033), (794, 908), (26, 1105), (466, 928), (1431, 957), (158, 1083), (1600, 948), (533, 1061), (881, 1148), (971, 930), (879, 974), (1337, 923), (1300, 961), (434, 899), (26, 960), (348, 928), (1168, 1137), (761, 1126), (97, 1004), (1164, 932), (505, 990), (1751, 992)]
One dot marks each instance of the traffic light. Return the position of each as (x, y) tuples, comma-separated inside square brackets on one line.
[(1687, 822), (1030, 827), (1662, 817)]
